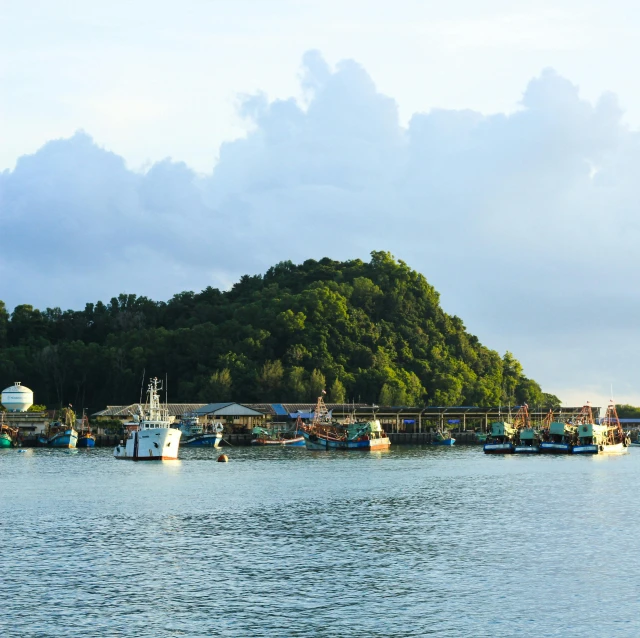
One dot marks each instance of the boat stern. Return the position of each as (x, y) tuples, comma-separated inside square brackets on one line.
[(498, 448), (555, 448)]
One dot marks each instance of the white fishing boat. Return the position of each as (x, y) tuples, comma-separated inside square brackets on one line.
[(606, 437), (153, 439)]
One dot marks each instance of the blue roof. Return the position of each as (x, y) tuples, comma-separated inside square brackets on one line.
[(278, 408)]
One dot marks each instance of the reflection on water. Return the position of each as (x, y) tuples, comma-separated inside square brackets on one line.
[(283, 542)]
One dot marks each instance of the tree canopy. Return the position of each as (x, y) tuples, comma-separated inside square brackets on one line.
[(366, 331)]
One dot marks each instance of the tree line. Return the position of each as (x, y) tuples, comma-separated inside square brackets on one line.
[(365, 331)]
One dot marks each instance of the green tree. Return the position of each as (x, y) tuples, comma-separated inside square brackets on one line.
[(376, 326), (297, 387), (219, 387), (387, 395), (270, 380), (37, 408), (550, 401), (317, 384), (528, 391), (511, 373), (626, 411), (4, 324), (337, 392)]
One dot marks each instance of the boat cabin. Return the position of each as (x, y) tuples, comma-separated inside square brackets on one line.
[(501, 429)]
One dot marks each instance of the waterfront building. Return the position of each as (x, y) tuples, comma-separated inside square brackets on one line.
[(243, 417)]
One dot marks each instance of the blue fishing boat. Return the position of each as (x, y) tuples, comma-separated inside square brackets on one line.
[(63, 434), (325, 434), (62, 437), (442, 438), (85, 438), (195, 434)]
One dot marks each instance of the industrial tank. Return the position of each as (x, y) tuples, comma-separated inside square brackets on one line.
[(17, 398)]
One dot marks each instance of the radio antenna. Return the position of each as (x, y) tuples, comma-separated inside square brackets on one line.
[(144, 370)]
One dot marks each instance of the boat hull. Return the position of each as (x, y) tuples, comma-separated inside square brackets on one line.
[(67, 439), (201, 440), (153, 444), (555, 448), (322, 443), (5, 441), (449, 441), (297, 441), (86, 441), (526, 449), (499, 448), (616, 448)]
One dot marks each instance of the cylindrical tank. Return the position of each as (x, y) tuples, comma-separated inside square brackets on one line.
[(17, 398)]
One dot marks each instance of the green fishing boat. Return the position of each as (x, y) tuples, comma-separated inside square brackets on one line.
[(559, 438), (8, 435), (501, 439), (528, 436)]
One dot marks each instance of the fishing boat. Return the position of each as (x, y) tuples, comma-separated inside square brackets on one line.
[(325, 434), (560, 437), (85, 437), (481, 437), (606, 437), (528, 436), (8, 434), (442, 438), (151, 438), (501, 439), (198, 434), (279, 434), (62, 434)]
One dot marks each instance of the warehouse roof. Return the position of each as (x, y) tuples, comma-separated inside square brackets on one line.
[(119, 411), (228, 409)]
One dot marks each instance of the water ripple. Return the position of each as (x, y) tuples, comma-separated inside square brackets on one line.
[(412, 542)]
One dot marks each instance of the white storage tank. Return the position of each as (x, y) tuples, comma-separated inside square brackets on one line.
[(17, 398)]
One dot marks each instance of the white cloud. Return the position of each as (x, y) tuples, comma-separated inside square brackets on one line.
[(503, 214)]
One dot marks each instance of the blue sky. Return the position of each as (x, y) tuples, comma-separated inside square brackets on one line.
[(494, 149)]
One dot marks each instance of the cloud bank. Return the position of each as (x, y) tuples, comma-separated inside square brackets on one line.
[(527, 222)]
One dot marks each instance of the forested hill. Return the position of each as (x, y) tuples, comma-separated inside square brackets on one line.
[(372, 332)]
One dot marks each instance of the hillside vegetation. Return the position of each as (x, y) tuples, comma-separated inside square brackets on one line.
[(371, 332)]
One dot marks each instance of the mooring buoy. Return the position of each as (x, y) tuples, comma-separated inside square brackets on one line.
[(223, 458)]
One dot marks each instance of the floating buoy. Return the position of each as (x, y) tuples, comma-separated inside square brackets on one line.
[(223, 458)]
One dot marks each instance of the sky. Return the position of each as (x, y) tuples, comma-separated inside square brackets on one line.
[(153, 147)]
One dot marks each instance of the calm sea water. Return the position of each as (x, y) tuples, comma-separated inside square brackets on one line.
[(412, 542)]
